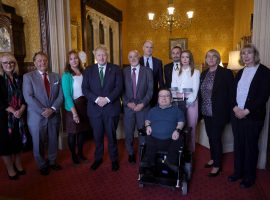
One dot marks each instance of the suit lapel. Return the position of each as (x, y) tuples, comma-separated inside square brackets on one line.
[(170, 72), (217, 79), (96, 75), (129, 80), (140, 77), (107, 74), (52, 82)]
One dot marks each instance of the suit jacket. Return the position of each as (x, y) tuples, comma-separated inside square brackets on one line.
[(258, 93), (157, 77), (168, 74), (221, 94), (35, 96), (112, 88), (3, 106), (144, 86)]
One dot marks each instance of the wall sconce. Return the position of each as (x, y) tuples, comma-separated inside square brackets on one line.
[(234, 57)]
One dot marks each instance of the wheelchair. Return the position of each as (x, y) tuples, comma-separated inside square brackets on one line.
[(164, 174)]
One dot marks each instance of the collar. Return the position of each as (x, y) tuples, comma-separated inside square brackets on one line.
[(137, 67), (41, 73)]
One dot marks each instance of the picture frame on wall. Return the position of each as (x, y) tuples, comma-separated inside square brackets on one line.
[(181, 42)]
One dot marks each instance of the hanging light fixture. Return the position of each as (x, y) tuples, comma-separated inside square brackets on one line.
[(170, 20)]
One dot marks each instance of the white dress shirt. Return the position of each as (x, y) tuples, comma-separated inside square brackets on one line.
[(186, 81), (137, 71), (150, 61)]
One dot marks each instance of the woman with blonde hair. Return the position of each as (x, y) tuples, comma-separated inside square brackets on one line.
[(12, 140), (251, 92), (215, 96)]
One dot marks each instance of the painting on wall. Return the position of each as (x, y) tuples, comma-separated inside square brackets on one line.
[(181, 42)]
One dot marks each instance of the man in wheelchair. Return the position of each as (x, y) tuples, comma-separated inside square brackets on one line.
[(163, 129)]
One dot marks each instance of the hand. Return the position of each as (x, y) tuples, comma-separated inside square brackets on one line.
[(131, 105), (102, 101), (47, 112), (148, 130), (18, 113), (175, 135), (240, 113), (138, 107), (76, 119)]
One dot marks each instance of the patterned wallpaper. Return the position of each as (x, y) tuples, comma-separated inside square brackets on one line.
[(28, 10), (212, 27)]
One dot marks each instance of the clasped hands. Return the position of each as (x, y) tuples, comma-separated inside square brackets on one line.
[(47, 112), (240, 113), (102, 101), (135, 107), (175, 134)]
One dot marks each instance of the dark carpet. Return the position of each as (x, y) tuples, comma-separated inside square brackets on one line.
[(78, 182)]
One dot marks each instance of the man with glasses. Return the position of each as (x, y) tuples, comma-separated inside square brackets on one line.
[(163, 126)]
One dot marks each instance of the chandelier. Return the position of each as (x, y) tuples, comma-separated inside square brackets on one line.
[(170, 20)]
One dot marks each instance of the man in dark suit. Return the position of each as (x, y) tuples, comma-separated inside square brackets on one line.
[(138, 84), (155, 65), (43, 94), (102, 86), (171, 70)]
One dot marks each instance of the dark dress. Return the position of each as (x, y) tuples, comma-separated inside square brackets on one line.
[(10, 134)]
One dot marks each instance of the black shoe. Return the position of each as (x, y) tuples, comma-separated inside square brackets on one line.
[(15, 177), (215, 174), (132, 159), (115, 166), (44, 171), (208, 165), (233, 178), (246, 184), (56, 167), (19, 172), (96, 164), (75, 159), (82, 157)]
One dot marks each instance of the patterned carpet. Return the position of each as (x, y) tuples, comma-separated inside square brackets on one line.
[(81, 183)]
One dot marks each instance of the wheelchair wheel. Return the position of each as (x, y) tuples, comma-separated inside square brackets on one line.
[(184, 188), (188, 170)]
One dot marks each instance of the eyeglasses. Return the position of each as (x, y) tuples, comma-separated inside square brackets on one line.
[(9, 62), (164, 96)]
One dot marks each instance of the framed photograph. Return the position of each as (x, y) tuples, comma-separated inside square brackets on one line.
[(181, 42)]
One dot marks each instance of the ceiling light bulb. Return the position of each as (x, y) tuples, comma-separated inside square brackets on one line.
[(190, 14), (151, 16)]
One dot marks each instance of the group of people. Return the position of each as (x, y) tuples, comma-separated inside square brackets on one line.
[(94, 96)]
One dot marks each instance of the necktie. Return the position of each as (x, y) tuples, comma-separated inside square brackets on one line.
[(101, 75), (147, 63), (177, 68), (133, 77), (46, 83)]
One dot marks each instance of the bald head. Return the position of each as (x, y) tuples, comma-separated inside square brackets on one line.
[(148, 48), (133, 58)]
